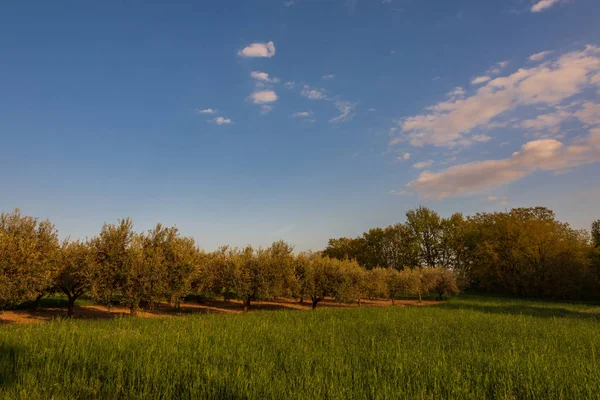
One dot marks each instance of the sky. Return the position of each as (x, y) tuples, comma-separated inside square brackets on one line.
[(245, 122)]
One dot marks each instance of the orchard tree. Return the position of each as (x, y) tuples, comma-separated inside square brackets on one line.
[(77, 269), (317, 276), (352, 285), (401, 283), (118, 251), (444, 282), (28, 258)]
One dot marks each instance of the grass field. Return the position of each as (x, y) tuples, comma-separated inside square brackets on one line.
[(467, 348)]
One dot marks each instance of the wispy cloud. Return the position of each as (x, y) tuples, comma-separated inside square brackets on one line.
[(405, 156), (328, 77), (346, 109), (539, 56), (546, 154), (289, 3), (258, 50), (206, 111), (480, 79), (222, 121), (451, 122), (302, 114), (263, 77), (543, 5), (423, 164), (313, 94)]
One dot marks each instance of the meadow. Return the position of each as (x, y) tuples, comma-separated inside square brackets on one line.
[(466, 348)]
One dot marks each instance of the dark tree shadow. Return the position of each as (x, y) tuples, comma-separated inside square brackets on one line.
[(542, 311), (8, 365)]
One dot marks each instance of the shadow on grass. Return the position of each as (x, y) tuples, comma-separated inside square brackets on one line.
[(544, 310), (8, 365)]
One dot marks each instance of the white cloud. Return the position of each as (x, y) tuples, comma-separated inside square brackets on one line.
[(222, 121), (327, 77), (263, 77), (302, 114), (543, 5), (258, 50), (346, 109), (495, 198), (539, 56), (497, 68), (549, 121), (423, 164), (546, 154), (386, 1), (289, 3), (480, 79), (589, 114), (206, 111), (313, 94), (263, 96), (399, 192), (372, 110), (405, 156), (451, 122), (456, 92), (290, 84)]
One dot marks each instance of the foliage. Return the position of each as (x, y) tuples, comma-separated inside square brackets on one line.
[(28, 258)]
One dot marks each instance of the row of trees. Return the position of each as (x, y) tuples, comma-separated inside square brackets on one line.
[(522, 252), (120, 266)]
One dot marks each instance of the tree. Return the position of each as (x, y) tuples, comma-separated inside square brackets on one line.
[(596, 233), (444, 282), (28, 258), (76, 273), (401, 282), (317, 276), (399, 248), (352, 285), (170, 260), (118, 251), (377, 283), (425, 226)]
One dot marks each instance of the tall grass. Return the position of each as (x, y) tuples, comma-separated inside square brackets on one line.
[(469, 348)]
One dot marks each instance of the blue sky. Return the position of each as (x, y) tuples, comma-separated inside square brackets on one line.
[(246, 122)]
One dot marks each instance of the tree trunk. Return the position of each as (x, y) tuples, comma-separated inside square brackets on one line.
[(359, 302), (36, 303), (315, 301), (71, 308), (301, 300), (419, 297), (133, 309), (393, 301), (247, 304)]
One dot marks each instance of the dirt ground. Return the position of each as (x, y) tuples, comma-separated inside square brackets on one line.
[(205, 307)]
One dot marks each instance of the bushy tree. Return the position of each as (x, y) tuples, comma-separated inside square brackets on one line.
[(28, 258), (317, 276), (352, 285), (77, 268), (118, 251)]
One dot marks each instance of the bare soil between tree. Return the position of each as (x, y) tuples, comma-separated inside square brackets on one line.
[(165, 310)]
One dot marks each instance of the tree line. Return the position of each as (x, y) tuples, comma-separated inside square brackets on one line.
[(139, 270), (521, 252)]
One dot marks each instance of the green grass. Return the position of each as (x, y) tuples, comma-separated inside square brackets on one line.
[(469, 348)]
